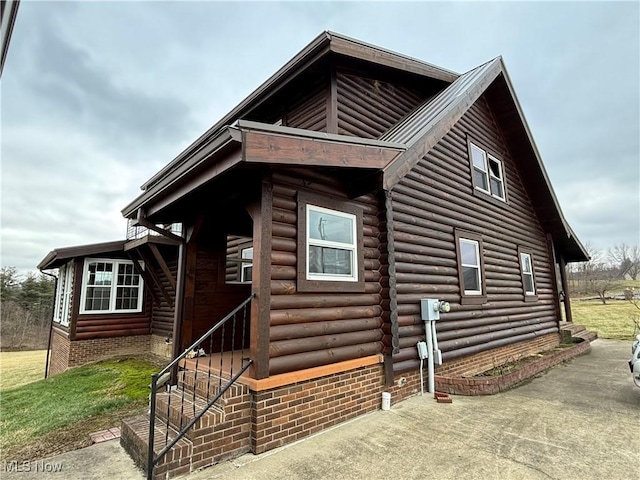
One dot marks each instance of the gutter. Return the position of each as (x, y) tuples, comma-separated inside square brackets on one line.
[(53, 313)]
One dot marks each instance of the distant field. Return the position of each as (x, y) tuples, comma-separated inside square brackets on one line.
[(20, 368), (613, 320)]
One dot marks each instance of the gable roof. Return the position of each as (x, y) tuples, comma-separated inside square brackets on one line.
[(223, 146), (325, 43), (429, 123)]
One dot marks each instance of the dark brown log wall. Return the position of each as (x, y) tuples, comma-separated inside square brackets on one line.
[(368, 108), (208, 298), (162, 314), (435, 198), (312, 329), (311, 114)]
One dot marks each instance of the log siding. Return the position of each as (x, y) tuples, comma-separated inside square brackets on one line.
[(367, 107), (430, 204), (309, 329)]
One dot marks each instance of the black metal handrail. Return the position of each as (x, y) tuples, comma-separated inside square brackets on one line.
[(153, 459)]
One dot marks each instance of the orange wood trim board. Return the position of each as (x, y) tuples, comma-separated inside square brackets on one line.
[(310, 373)]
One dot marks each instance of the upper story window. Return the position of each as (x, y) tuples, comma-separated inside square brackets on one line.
[(528, 277), (470, 268), (330, 247), (488, 173), (110, 286)]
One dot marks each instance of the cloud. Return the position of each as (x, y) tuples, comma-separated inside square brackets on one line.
[(98, 96)]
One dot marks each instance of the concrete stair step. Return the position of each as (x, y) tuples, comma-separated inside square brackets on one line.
[(587, 335)]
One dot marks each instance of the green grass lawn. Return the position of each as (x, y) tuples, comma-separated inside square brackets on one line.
[(613, 320), (20, 368), (58, 414)]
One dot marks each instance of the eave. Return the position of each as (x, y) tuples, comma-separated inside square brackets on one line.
[(428, 124), (253, 144), (325, 43), (60, 256)]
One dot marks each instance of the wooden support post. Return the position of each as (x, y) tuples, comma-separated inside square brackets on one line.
[(151, 272), (565, 288)]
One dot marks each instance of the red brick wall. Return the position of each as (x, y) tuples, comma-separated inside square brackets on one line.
[(66, 354), (84, 351), (481, 362), (59, 356), (292, 412)]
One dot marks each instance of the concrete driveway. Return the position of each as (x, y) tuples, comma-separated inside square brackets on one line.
[(580, 420)]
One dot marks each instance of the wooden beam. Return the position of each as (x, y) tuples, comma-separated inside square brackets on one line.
[(262, 147), (163, 265), (140, 220), (155, 277), (141, 271)]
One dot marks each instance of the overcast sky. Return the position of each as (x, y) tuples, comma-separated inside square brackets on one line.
[(97, 97)]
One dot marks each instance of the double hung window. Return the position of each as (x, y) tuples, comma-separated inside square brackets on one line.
[(330, 247), (488, 174), (470, 268), (111, 286), (527, 273)]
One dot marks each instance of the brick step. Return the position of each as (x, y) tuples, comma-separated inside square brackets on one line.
[(135, 440), (208, 387), (586, 335), (178, 411)]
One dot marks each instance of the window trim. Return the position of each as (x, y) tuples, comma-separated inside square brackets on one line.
[(63, 294), (470, 298), (533, 296), (488, 156), (245, 265), (114, 286), (329, 283)]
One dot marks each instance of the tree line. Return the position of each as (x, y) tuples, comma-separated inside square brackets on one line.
[(26, 307), (607, 272)]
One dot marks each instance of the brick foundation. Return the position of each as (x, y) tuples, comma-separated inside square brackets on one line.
[(491, 385), (159, 347), (67, 354), (481, 362), (59, 356)]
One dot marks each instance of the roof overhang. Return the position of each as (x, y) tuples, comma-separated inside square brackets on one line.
[(60, 256), (428, 124), (324, 44), (253, 144)]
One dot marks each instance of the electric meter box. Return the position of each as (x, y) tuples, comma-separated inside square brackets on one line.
[(429, 309)]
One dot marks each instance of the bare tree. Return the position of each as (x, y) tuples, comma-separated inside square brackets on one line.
[(626, 258), (595, 277)]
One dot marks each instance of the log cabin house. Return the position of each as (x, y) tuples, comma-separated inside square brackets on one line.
[(350, 185)]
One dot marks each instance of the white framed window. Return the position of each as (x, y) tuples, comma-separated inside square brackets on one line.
[(470, 263), (110, 286), (331, 245), (246, 268), (63, 294), (488, 175), (526, 264)]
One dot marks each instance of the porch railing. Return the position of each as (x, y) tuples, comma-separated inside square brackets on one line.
[(135, 232), (231, 331)]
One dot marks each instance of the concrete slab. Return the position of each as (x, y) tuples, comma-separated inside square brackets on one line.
[(578, 421)]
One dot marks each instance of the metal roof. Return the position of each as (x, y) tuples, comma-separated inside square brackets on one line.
[(59, 256)]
